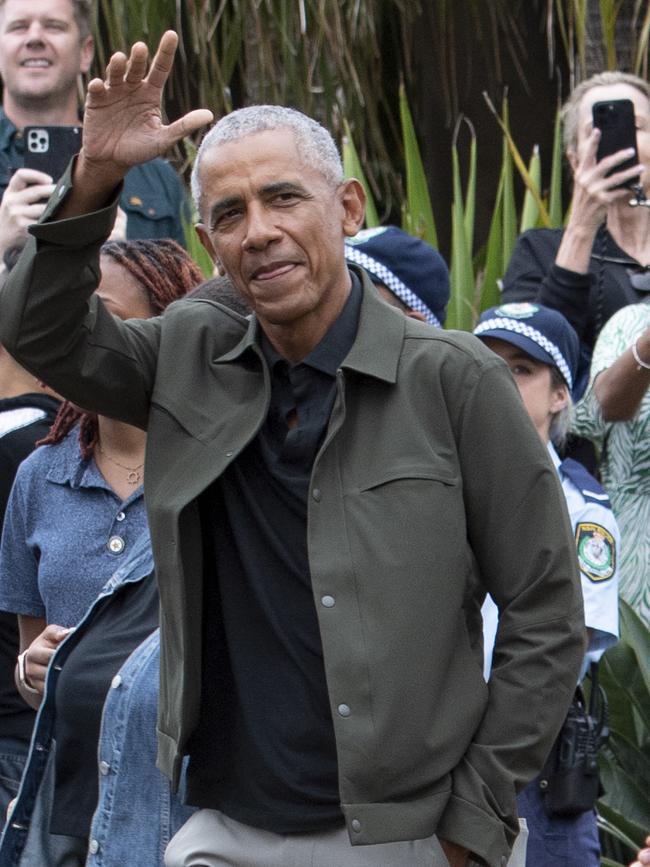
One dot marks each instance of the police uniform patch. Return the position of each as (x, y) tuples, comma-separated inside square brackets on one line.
[(517, 310), (596, 551)]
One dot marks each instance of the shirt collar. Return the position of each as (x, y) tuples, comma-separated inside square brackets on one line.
[(69, 468), (554, 456), (376, 317), (7, 130), (328, 355)]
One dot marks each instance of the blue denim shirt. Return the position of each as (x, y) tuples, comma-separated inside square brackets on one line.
[(136, 813)]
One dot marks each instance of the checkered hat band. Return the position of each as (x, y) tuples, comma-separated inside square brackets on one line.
[(519, 327), (392, 281)]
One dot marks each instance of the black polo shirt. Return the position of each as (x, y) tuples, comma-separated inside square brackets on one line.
[(264, 751)]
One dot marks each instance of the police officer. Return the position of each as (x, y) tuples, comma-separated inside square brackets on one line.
[(541, 349), (408, 273)]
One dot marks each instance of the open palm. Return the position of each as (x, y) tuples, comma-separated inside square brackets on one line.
[(122, 122)]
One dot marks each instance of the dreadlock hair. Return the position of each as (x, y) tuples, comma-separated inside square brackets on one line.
[(165, 273)]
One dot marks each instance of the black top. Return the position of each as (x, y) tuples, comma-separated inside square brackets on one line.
[(116, 630), (587, 300), (264, 750), (23, 421)]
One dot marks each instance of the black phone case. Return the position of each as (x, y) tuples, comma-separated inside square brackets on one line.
[(50, 148), (615, 120)]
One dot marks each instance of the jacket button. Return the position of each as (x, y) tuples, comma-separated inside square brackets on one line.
[(120, 516), (328, 601), (104, 768), (356, 825), (117, 681), (93, 847), (344, 710), (116, 544), (316, 494)]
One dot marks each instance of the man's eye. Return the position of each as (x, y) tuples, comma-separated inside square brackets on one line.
[(519, 370), (285, 198)]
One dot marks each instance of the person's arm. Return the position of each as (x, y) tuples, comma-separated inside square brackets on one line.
[(48, 320), (621, 387), (521, 537)]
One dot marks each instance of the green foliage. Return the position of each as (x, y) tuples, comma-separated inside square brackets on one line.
[(418, 213), (624, 810)]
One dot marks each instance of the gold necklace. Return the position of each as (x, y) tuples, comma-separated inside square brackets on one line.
[(134, 474)]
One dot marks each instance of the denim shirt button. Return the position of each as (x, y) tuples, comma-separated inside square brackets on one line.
[(104, 768), (117, 681), (116, 544), (120, 516), (93, 847)]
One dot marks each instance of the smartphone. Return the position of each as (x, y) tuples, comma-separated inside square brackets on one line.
[(615, 120), (50, 148)]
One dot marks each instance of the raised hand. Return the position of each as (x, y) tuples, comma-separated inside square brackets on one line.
[(593, 190), (122, 121)]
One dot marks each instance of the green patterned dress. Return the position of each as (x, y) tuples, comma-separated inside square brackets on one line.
[(625, 457)]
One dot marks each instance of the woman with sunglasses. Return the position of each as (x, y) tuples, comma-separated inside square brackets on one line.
[(615, 414), (600, 262)]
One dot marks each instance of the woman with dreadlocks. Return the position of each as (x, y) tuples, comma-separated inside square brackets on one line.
[(75, 514)]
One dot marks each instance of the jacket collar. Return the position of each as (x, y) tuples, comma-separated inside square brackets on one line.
[(7, 131), (379, 326)]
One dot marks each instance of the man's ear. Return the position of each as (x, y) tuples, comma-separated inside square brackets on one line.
[(87, 54), (206, 241), (353, 199)]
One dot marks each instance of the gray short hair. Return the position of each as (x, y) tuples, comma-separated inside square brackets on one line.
[(314, 143), (571, 108)]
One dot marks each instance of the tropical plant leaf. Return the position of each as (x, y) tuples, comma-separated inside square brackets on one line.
[(530, 210), (493, 271), (629, 831), (555, 194), (516, 156), (509, 209), (460, 312), (419, 213)]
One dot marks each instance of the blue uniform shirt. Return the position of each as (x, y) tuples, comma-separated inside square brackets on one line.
[(597, 546)]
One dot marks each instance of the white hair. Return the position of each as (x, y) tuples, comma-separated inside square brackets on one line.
[(313, 142)]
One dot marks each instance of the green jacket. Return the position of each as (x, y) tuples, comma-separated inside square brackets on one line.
[(431, 487)]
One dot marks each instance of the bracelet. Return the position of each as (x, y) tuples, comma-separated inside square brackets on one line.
[(22, 674), (639, 361)]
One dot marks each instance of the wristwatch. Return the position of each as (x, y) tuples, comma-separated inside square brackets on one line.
[(22, 675)]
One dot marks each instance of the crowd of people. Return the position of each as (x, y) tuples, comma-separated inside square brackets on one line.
[(291, 575)]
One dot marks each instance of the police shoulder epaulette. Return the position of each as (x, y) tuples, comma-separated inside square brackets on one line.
[(591, 490)]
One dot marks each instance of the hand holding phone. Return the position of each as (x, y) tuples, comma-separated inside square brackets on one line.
[(22, 204), (616, 122)]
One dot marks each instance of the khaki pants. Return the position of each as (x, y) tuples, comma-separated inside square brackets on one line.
[(210, 839)]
